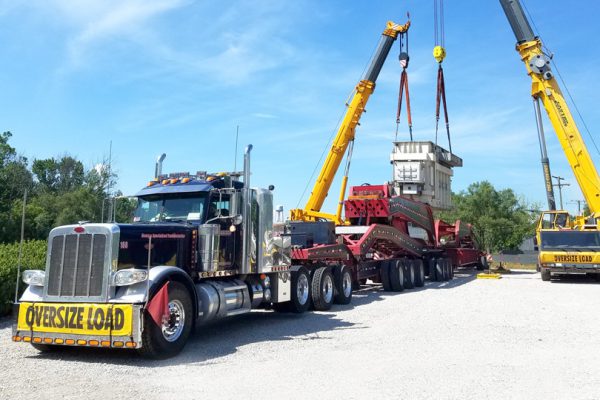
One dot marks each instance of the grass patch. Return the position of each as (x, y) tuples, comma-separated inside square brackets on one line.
[(514, 265)]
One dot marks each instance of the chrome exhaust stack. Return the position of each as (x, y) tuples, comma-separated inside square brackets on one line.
[(158, 166), (246, 212)]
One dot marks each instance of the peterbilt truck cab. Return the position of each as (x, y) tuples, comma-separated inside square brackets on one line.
[(200, 247)]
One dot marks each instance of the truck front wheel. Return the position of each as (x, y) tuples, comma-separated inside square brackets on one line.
[(169, 338)]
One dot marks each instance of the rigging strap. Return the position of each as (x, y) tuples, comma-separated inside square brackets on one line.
[(404, 59), (441, 100)]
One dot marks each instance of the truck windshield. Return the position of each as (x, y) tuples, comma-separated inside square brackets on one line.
[(570, 240), (177, 207)]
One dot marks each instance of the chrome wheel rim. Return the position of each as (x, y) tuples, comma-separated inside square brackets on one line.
[(172, 326), (327, 289), (347, 284), (302, 289)]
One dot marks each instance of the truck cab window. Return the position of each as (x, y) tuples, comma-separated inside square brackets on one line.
[(219, 206), (171, 207)]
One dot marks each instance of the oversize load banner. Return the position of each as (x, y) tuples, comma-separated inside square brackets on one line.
[(573, 258), (79, 319)]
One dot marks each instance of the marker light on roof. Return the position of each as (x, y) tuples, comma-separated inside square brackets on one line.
[(165, 181), (185, 180), (174, 180)]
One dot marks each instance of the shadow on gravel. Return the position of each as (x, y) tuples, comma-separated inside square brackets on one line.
[(209, 343), (521, 272), (461, 277), (574, 278), (212, 342)]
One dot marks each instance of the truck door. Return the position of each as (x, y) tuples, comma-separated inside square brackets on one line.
[(219, 211)]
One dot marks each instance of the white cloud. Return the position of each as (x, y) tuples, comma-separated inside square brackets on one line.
[(102, 20)]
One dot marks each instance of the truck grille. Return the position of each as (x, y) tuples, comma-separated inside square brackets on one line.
[(76, 267)]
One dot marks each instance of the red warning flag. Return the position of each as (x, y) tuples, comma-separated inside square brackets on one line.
[(158, 307)]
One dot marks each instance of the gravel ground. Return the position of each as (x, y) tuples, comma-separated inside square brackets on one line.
[(517, 337)]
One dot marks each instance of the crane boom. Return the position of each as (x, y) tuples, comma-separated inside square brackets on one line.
[(346, 131), (545, 88)]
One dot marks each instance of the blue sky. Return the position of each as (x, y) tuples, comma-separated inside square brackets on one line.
[(178, 76)]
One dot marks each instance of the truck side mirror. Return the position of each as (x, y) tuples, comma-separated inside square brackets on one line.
[(235, 203), (236, 219)]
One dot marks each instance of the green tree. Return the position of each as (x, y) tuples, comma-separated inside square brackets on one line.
[(15, 178), (500, 220), (58, 175)]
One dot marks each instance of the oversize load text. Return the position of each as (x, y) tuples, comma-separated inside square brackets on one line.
[(85, 318)]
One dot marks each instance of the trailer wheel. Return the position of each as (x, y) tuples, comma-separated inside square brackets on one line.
[(343, 284), (439, 270), (384, 272), (168, 339), (397, 275), (419, 268), (322, 289), (446, 269), (409, 274), (300, 291), (483, 263), (546, 274), (431, 269)]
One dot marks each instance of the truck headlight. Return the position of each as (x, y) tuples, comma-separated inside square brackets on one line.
[(34, 277), (126, 277)]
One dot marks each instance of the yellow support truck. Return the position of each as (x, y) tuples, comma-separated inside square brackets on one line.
[(565, 245)]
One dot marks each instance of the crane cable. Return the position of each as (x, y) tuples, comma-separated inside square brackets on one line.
[(404, 59), (439, 53)]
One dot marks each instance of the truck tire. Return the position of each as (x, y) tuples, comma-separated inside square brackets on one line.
[(384, 272), (447, 266), (322, 289), (439, 270), (483, 263), (396, 275), (167, 340), (419, 268), (431, 269), (300, 291), (409, 273), (546, 274), (342, 278)]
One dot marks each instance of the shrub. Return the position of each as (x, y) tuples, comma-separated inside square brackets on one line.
[(34, 257)]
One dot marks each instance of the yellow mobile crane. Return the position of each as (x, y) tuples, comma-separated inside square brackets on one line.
[(345, 135), (565, 246)]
